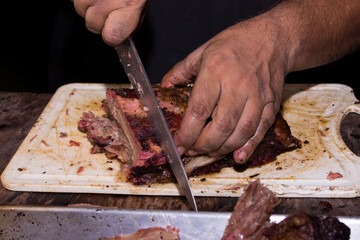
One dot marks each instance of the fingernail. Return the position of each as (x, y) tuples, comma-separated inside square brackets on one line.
[(180, 150), (241, 157)]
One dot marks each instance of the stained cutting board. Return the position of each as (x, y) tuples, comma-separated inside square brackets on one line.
[(47, 161)]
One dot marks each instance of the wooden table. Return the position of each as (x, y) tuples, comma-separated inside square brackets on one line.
[(19, 111)]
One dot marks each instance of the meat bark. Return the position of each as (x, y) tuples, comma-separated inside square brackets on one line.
[(140, 148)]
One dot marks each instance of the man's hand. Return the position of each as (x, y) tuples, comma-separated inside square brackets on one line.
[(239, 81), (239, 74), (114, 19)]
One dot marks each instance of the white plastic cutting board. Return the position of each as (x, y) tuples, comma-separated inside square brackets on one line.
[(46, 162)]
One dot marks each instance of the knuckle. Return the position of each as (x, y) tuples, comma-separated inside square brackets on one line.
[(93, 27), (247, 128), (252, 144), (113, 36), (226, 123), (94, 19), (204, 149), (265, 124), (130, 3), (80, 7), (225, 149), (200, 110), (183, 137), (216, 61), (216, 154)]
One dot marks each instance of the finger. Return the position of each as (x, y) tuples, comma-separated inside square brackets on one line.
[(82, 5), (223, 123), (119, 25), (200, 107), (242, 154), (184, 71), (97, 14), (246, 126)]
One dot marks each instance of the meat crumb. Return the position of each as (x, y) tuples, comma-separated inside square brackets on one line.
[(72, 92), (332, 176), (33, 138), (74, 143), (80, 170), (45, 143), (254, 175), (63, 134), (327, 205), (321, 133)]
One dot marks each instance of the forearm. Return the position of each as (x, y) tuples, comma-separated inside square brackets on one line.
[(317, 31)]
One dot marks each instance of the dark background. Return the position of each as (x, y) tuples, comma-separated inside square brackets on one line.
[(46, 44)]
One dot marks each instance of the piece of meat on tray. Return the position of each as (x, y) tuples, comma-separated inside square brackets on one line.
[(127, 134), (250, 220), (154, 233), (302, 226), (251, 213)]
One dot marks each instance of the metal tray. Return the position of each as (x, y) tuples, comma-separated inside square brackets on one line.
[(38, 223), (46, 161)]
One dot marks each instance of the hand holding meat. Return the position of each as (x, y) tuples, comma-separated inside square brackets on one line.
[(239, 81), (114, 19), (239, 74)]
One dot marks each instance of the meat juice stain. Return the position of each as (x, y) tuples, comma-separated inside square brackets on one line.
[(67, 121), (81, 169), (57, 139), (121, 175)]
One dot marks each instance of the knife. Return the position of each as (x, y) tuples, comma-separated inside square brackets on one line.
[(135, 71)]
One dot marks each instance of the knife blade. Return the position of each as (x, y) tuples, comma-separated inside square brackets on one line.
[(135, 71)]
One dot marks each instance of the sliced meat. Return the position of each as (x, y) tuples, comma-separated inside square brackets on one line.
[(105, 136), (154, 233), (251, 213), (148, 158)]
